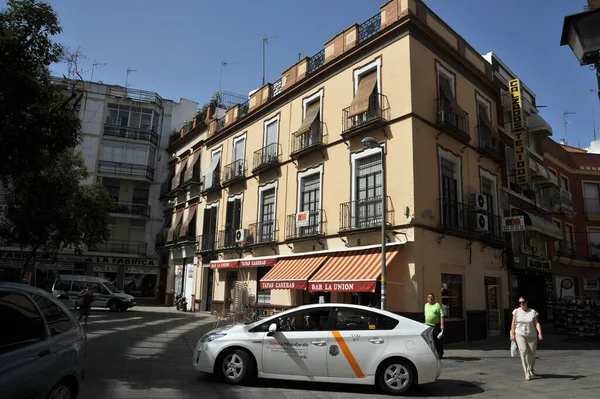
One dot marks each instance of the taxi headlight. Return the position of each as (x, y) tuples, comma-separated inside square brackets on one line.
[(212, 336)]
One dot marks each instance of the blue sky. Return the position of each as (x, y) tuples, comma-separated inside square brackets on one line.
[(177, 47)]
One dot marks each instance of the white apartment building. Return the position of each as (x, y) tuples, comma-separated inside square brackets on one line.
[(125, 136)]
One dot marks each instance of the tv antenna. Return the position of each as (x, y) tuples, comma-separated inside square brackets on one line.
[(129, 70), (223, 65), (592, 108), (265, 41), (567, 123), (94, 65)]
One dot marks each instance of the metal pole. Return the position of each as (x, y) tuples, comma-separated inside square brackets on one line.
[(264, 42), (593, 117), (383, 226)]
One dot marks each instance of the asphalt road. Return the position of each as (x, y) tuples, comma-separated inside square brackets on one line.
[(146, 353)]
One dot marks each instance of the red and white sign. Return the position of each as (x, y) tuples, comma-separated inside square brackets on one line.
[(302, 219), (283, 285), (513, 223), (226, 264), (343, 286), (258, 262)]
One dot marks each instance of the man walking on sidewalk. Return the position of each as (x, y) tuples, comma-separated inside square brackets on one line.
[(434, 317)]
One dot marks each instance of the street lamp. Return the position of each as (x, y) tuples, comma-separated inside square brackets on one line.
[(370, 142), (582, 33)]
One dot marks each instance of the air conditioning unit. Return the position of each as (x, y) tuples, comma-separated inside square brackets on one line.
[(480, 223), (241, 236), (478, 202)]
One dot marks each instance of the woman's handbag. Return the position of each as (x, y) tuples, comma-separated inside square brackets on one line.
[(514, 349)]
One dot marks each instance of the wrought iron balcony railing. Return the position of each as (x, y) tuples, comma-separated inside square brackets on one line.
[(459, 217), (120, 247), (591, 206), (314, 139), (452, 120), (131, 208), (364, 214), (316, 62), (264, 232), (131, 133), (226, 239), (377, 114), (489, 143), (215, 185), (244, 108), (234, 171), (207, 242), (193, 179), (565, 249), (311, 226), (369, 28), (267, 157), (128, 169)]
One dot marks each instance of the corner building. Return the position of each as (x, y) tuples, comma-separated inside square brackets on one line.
[(291, 200)]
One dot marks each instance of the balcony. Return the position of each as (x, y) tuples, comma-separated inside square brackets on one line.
[(131, 133), (364, 214), (234, 172), (126, 169), (564, 249), (452, 120), (194, 179), (592, 208), (268, 157), (161, 238), (489, 143), (165, 189), (120, 247), (131, 208), (226, 239), (310, 227), (206, 243), (376, 116), (214, 186), (460, 219), (262, 233), (305, 143)]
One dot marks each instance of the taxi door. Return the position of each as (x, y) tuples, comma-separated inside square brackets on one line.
[(354, 345)]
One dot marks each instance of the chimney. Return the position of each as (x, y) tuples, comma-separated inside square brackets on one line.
[(563, 142), (210, 112)]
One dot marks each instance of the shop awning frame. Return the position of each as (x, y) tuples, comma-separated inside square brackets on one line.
[(538, 224), (292, 273)]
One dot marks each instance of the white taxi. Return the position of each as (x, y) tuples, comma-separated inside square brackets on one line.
[(335, 343)]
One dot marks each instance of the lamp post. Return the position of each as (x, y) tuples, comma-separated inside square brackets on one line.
[(582, 33), (370, 142)]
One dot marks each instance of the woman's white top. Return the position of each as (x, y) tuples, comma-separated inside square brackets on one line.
[(525, 322)]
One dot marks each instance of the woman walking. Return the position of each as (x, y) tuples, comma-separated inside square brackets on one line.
[(85, 300), (526, 331)]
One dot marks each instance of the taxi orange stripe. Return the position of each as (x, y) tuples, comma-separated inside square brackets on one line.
[(348, 354)]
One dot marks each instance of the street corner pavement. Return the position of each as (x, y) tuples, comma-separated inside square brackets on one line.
[(146, 352)]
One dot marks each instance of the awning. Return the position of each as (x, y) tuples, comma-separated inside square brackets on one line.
[(538, 125), (311, 115), (214, 163), (366, 85), (485, 120), (189, 172), (186, 223), (171, 232), (350, 272), (291, 273), (536, 223), (175, 182)]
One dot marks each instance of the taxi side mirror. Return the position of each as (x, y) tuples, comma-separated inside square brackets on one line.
[(272, 329)]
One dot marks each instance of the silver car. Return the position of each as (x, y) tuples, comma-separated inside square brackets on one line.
[(42, 345)]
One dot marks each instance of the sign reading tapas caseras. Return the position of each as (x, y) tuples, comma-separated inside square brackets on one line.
[(283, 285)]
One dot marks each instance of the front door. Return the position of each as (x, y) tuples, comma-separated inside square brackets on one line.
[(209, 289), (232, 277), (299, 347), (357, 342), (492, 305)]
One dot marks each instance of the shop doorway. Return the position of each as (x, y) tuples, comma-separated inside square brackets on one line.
[(492, 305), (532, 285), (231, 278), (209, 289)]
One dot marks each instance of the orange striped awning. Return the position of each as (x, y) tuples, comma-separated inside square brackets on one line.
[(350, 272), (291, 273)]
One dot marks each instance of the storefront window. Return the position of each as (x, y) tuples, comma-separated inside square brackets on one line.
[(262, 296), (110, 276), (452, 295), (140, 281), (309, 298)]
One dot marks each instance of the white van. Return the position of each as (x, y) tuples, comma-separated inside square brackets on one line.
[(67, 287)]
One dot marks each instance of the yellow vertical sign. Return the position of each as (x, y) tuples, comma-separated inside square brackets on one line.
[(519, 132)]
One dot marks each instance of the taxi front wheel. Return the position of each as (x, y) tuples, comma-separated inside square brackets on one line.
[(396, 376), (237, 367)]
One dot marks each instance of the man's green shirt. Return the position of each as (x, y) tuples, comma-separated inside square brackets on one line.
[(433, 313)]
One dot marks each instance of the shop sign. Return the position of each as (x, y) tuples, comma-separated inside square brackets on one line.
[(55, 266), (283, 285), (190, 271), (141, 269), (258, 262), (227, 264), (122, 261), (178, 270), (591, 284), (105, 268), (6, 256), (302, 219), (348, 286), (519, 132), (513, 223)]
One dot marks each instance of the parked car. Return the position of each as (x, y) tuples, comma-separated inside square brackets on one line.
[(67, 287), (337, 343), (42, 345)]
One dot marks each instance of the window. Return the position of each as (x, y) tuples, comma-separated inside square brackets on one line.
[(309, 200), (564, 183), (489, 189), (78, 286), (209, 227), (558, 245), (594, 237), (213, 176), (270, 151), (450, 188), (135, 117), (262, 296), (305, 320), (140, 194), (266, 213), (113, 188), (22, 324), (591, 194), (452, 295), (63, 285), (239, 158), (58, 321), (310, 132), (367, 86), (356, 319), (484, 123), (136, 156), (112, 154), (233, 219), (569, 239), (367, 189)]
